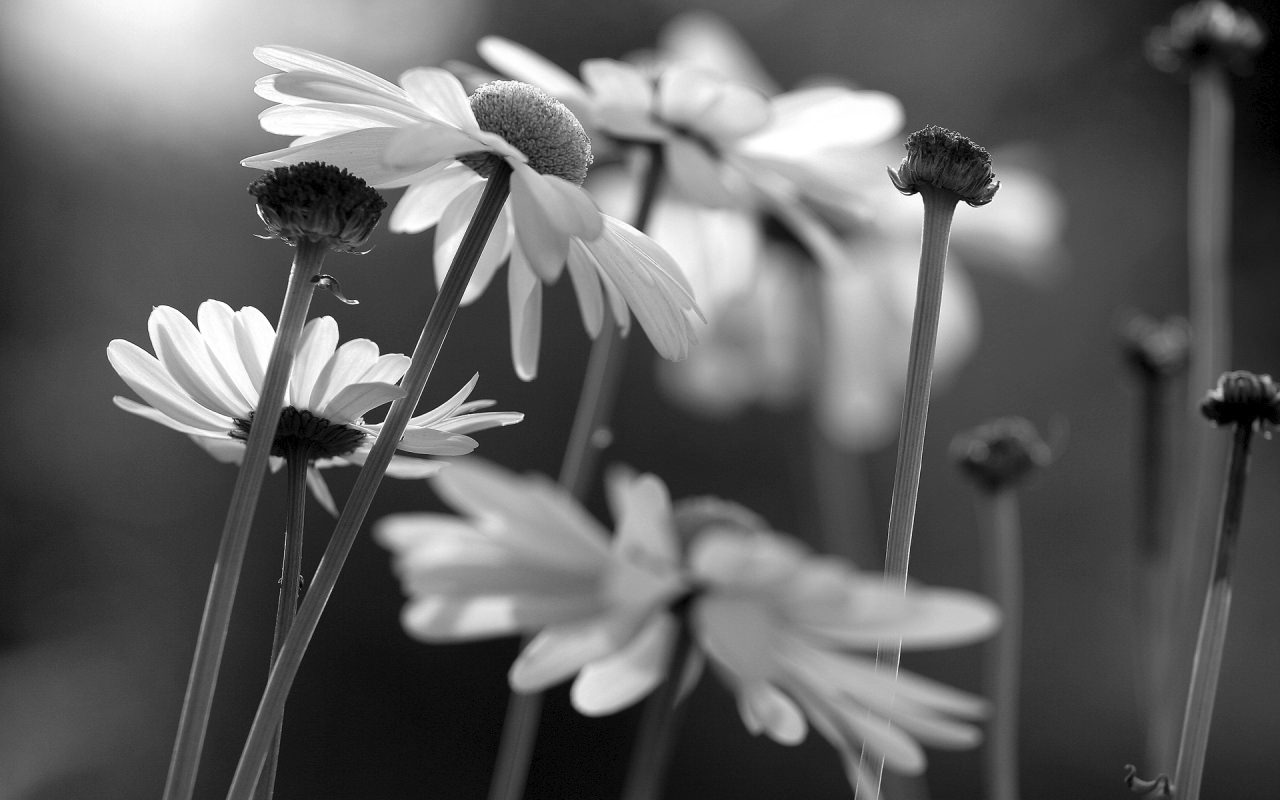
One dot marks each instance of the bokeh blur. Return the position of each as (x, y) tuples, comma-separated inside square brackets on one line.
[(123, 127)]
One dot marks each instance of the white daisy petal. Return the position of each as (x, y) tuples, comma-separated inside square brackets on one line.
[(443, 619), (146, 376), (346, 364), (586, 285), (156, 415), (314, 120), (624, 100), (522, 64), (389, 368), (408, 469), (439, 94), (614, 682), (320, 491), (359, 152), (424, 203), (712, 106), (524, 293), (291, 59), (546, 211), (182, 351), (355, 400), (426, 143), (254, 339), (642, 508), (449, 407), (217, 327), (315, 348), (764, 709), (559, 651), (436, 443), (469, 423), (317, 87)]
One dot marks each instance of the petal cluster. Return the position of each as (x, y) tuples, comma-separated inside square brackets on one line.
[(205, 378), (426, 134)]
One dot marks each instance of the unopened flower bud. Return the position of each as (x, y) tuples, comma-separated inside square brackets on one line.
[(1159, 348), (946, 160), (1243, 398), (536, 124), (318, 202), (1001, 452), (1203, 31)]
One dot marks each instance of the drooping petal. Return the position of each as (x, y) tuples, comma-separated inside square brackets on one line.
[(524, 298), (764, 709), (429, 441), (546, 211), (254, 339), (360, 152), (313, 121), (146, 376), (405, 468), (156, 415), (389, 368), (426, 143), (424, 203), (559, 651), (586, 285), (303, 86), (614, 682), (296, 59), (452, 229), (320, 491)]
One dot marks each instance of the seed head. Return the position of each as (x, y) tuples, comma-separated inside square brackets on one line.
[(1208, 30), (1243, 398), (318, 202), (1001, 452), (946, 160), (1158, 348), (536, 124)]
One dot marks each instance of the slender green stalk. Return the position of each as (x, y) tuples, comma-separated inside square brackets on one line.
[(1213, 626), (443, 310), (211, 640), (648, 769), (1002, 551), (296, 465), (588, 438)]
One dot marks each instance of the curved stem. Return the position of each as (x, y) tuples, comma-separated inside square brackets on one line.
[(443, 310), (1213, 627), (588, 437), (296, 465), (210, 642), (1002, 551)]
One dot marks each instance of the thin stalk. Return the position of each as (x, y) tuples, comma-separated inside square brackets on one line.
[(211, 640), (939, 210), (296, 465), (648, 769), (1213, 626), (443, 310), (588, 437), (998, 517)]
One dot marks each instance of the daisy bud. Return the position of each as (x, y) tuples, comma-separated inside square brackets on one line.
[(1243, 398), (318, 202), (1000, 452), (1209, 30), (946, 160), (1158, 348), (542, 128)]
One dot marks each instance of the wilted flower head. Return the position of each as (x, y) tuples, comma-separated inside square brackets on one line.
[(1243, 398), (429, 136), (1207, 30), (320, 203), (205, 382), (526, 558), (945, 160)]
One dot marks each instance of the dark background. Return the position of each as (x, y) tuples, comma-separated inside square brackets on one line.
[(123, 130)]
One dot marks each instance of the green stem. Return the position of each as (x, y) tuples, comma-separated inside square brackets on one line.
[(296, 465), (1213, 627), (939, 210), (443, 310), (588, 437), (1002, 531), (656, 740), (211, 640)]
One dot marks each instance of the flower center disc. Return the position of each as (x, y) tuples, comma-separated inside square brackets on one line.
[(536, 124), (304, 432)]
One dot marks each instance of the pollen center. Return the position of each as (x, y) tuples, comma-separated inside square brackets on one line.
[(536, 124), (304, 432)]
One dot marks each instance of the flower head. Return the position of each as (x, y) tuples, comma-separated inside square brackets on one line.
[(205, 381), (1001, 452), (427, 135), (525, 558), (1207, 30), (318, 202), (1243, 398), (946, 160), (791, 633), (1157, 348)]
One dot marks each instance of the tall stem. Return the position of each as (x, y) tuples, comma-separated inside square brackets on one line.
[(443, 310), (211, 640), (939, 210), (1213, 626), (1002, 551), (296, 465), (587, 439), (648, 769)]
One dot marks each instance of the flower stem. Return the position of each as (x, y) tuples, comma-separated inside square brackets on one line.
[(1213, 626), (939, 210), (211, 640), (434, 331), (588, 437), (1002, 531), (647, 771), (296, 464)]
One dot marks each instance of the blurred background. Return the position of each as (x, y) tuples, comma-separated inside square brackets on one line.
[(124, 125)]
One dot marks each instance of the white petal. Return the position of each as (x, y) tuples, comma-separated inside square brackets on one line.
[(255, 337), (443, 619), (428, 143), (469, 423), (315, 347), (217, 328), (155, 415), (765, 709), (586, 285), (315, 121), (320, 491), (704, 40), (316, 87), (355, 400), (344, 367), (146, 376), (714, 107), (425, 201), (624, 100), (407, 467), (429, 441), (522, 64), (389, 368), (453, 227), (185, 356), (524, 298), (823, 118), (546, 211), (439, 94), (697, 174), (292, 59), (360, 152), (642, 507), (612, 683), (559, 651)]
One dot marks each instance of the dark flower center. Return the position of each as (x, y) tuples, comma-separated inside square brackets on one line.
[(301, 432)]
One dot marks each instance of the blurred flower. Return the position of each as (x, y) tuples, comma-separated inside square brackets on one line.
[(430, 137), (205, 382), (526, 558), (781, 627)]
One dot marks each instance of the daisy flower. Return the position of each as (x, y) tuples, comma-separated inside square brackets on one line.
[(525, 558), (204, 380), (794, 636), (427, 135)]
